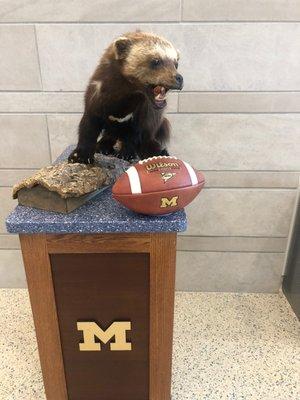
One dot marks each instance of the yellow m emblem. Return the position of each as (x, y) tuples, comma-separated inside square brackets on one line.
[(117, 330), (165, 202)]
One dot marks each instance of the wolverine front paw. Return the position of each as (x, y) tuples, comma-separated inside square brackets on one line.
[(126, 155), (105, 148), (80, 156)]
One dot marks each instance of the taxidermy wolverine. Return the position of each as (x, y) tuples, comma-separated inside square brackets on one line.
[(126, 97)]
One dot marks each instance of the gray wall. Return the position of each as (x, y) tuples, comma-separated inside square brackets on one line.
[(238, 118)]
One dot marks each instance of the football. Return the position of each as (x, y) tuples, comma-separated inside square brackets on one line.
[(158, 185)]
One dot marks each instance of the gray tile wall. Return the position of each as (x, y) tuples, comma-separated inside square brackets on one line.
[(238, 119)]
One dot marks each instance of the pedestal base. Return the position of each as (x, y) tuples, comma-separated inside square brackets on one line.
[(103, 308)]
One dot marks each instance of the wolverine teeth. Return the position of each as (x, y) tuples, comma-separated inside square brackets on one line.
[(160, 93), (160, 98)]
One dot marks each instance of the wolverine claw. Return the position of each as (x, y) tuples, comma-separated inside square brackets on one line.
[(78, 156), (108, 152), (123, 157)]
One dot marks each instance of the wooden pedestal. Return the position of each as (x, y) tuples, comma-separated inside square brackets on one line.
[(103, 308)]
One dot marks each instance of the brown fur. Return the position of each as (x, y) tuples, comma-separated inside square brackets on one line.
[(122, 86)]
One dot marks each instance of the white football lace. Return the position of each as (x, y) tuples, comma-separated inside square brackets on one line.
[(156, 158)]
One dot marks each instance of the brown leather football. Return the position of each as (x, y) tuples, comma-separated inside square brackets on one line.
[(158, 185)]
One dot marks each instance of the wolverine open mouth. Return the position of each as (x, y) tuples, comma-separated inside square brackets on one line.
[(160, 96)]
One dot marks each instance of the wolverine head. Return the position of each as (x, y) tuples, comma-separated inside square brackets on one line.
[(151, 61)]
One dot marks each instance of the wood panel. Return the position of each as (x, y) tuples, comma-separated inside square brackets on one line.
[(99, 243), (39, 279), (162, 291), (104, 288), (136, 286)]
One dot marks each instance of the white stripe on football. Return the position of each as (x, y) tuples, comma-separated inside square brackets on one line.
[(134, 180)]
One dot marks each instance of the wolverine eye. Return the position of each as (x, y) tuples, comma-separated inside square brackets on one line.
[(155, 62), (176, 64)]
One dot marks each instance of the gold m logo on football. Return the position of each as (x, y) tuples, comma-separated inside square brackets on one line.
[(172, 202), (91, 331)]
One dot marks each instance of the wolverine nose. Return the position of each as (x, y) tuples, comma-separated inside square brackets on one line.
[(179, 81)]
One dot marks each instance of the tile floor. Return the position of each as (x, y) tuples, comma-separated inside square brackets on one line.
[(226, 347)]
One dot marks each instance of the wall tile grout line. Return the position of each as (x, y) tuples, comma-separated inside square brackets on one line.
[(49, 141), (38, 56), (17, 168), (265, 188), (183, 92), (179, 93), (181, 10), (257, 188), (223, 188), (147, 22), (250, 170), (168, 113), (235, 112), (237, 91), (237, 171), (10, 248)]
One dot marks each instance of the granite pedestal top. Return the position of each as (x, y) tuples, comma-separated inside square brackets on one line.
[(102, 214)]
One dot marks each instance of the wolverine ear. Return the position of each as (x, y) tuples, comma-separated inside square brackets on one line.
[(121, 46)]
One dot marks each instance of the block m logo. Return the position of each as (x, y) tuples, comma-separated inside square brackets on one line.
[(172, 202), (117, 330)]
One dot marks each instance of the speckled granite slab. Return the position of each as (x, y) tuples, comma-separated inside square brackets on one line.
[(100, 215)]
